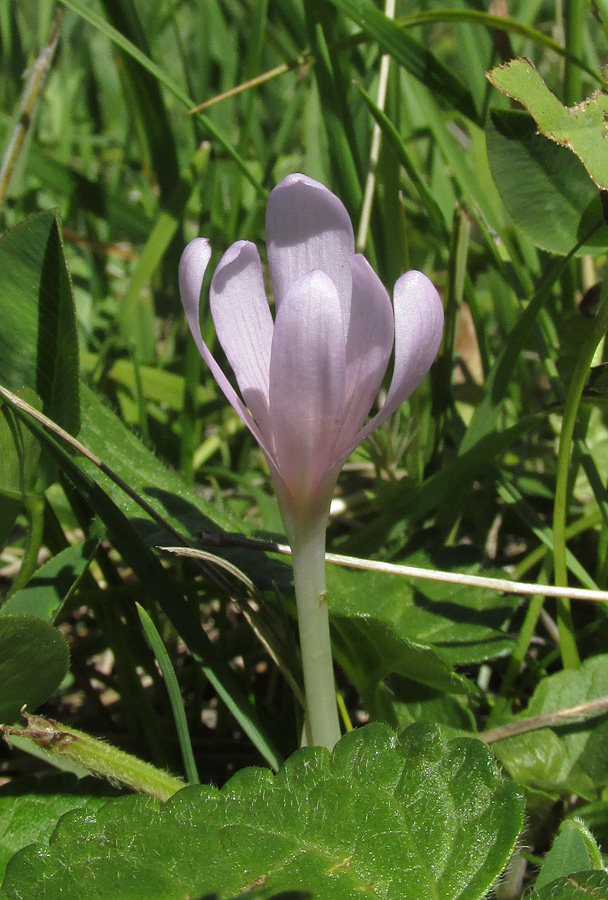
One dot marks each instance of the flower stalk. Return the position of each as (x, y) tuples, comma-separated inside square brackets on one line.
[(308, 557)]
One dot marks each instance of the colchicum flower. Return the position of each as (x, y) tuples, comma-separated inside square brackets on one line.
[(308, 379)]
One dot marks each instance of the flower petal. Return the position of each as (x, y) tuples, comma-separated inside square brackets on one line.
[(307, 372), (369, 344), (192, 267), (244, 325), (418, 333), (307, 228)]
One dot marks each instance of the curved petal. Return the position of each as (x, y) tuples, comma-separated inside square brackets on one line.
[(308, 228), (307, 371), (244, 325), (418, 333), (369, 344), (192, 267)]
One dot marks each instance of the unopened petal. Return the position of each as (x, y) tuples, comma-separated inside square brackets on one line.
[(418, 333), (244, 325), (369, 345), (307, 372), (192, 267), (308, 228)]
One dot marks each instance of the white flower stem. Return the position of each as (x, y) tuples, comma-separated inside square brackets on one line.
[(308, 556)]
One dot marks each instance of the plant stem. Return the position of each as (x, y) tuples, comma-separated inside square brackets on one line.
[(60, 742), (569, 652), (574, 16), (308, 549)]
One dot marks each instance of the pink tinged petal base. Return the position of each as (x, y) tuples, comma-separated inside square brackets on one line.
[(308, 228), (418, 332), (307, 375), (244, 325), (192, 267), (369, 345)]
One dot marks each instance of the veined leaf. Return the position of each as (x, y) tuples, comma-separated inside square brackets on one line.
[(413, 818)]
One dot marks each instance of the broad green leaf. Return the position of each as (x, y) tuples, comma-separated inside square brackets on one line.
[(413, 818), (31, 807), (579, 886), (401, 701), (46, 591), (544, 187), (369, 650), (571, 758), (574, 850), (462, 624), (24, 639), (581, 128), (38, 341)]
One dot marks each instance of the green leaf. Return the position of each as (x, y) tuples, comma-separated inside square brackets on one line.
[(369, 650), (45, 593), (580, 886), (570, 758), (462, 624), (24, 639), (38, 340), (20, 454), (559, 203), (19, 451), (580, 128), (574, 850), (401, 701), (416, 817), (105, 435), (595, 817), (31, 807)]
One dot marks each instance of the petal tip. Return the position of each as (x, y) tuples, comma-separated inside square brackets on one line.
[(192, 267)]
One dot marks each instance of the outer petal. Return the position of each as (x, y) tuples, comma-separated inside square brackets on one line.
[(244, 325), (418, 333), (192, 266), (307, 228), (307, 371), (369, 344)]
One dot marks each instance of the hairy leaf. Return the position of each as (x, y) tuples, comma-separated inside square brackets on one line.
[(415, 817)]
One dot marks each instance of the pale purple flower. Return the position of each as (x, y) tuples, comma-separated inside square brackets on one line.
[(308, 379)]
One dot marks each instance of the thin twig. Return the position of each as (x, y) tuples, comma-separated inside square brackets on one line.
[(222, 539), (547, 720), (297, 63)]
